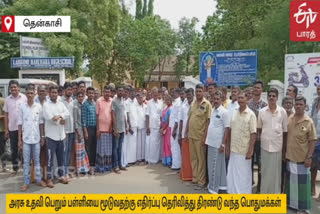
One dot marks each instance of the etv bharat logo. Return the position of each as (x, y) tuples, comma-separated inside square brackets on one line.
[(303, 21)]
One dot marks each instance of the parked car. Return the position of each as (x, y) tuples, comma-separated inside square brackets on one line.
[(4, 84)]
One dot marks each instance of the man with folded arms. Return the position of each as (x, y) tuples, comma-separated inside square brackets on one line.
[(55, 114)]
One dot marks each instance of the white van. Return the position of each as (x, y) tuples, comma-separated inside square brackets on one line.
[(4, 84)]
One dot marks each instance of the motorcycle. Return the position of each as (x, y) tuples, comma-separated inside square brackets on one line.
[(294, 77)]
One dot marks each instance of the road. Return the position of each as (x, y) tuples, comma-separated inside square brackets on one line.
[(138, 179)]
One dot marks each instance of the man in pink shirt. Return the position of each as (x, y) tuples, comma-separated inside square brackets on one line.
[(12, 108), (104, 132)]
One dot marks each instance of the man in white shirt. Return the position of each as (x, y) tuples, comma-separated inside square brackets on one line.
[(186, 170), (219, 128), (30, 124), (233, 105), (55, 114), (132, 117), (153, 115), (173, 124), (141, 128), (179, 119), (69, 126)]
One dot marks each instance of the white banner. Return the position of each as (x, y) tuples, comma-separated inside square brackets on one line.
[(32, 47), (30, 24), (303, 71)]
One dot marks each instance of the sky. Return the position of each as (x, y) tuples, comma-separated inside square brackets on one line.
[(174, 10)]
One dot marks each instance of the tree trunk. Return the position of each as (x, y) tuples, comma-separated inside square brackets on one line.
[(161, 68), (150, 72)]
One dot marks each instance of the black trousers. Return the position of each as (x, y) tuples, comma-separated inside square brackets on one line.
[(91, 145), (2, 147), (14, 149)]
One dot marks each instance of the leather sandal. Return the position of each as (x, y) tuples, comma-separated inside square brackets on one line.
[(117, 171), (50, 184), (24, 187), (42, 184)]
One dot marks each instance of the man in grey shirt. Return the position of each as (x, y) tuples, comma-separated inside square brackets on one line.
[(118, 118), (69, 126)]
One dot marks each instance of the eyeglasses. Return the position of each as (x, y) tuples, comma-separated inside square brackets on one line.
[(272, 95)]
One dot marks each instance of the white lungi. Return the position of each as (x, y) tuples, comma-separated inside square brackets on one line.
[(132, 146), (176, 153), (153, 146), (141, 144), (239, 177)]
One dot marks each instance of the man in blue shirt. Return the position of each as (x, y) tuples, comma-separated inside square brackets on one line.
[(89, 122)]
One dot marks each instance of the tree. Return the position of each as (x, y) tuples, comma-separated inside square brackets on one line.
[(145, 43), (187, 37), (139, 9), (94, 26), (60, 44), (144, 10), (102, 32), (254, 24), (150, 8)]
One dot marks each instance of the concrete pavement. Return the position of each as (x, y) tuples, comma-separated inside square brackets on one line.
[(138, 179)]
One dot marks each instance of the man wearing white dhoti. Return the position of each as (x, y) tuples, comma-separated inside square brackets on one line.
[(243, 134), (132, 117), (173, 124), (153, 114), (216, 140), (141, 128)]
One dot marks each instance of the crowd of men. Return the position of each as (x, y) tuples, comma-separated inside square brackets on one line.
[(214, 141)]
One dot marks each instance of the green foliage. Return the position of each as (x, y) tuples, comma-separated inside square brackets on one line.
[(104, 22), (94, 26), (150, 8), (187, 38), (9, 45), (144, 10), (254, 24), (60, 44), (139, 9), (144, 43)]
